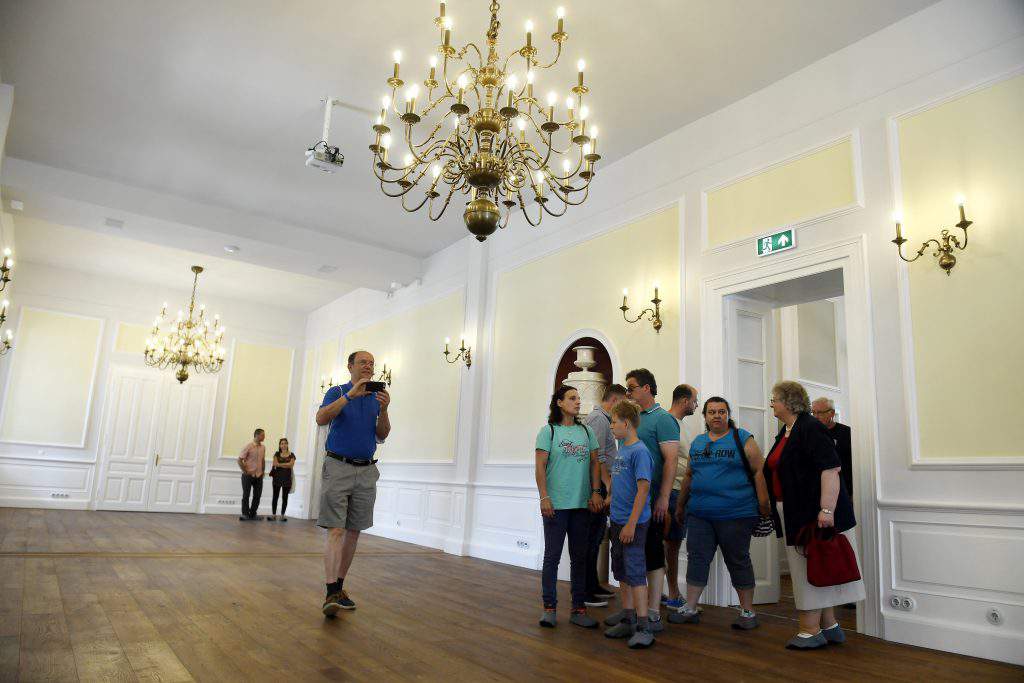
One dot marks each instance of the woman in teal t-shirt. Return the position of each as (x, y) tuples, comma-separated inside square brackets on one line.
[(568, 479), (722, 494)]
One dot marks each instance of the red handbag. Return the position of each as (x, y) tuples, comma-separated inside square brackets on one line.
[(830, 557)]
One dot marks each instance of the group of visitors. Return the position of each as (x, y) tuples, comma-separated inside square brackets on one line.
[(252, 462), (630, 463)]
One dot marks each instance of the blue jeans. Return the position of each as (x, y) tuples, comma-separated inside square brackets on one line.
[(704, 536), (573, 523)]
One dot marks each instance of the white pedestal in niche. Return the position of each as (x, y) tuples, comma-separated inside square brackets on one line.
[(591, 385)]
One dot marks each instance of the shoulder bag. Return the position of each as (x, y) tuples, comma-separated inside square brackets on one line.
[(830, 557), (764, 525)]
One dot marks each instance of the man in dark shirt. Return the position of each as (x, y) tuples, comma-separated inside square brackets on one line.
[(825, 410)]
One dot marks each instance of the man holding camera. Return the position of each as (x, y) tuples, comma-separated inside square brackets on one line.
[(357, 412)]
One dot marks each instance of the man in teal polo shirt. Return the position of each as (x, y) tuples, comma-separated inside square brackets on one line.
[(359, 421), (660, 433)]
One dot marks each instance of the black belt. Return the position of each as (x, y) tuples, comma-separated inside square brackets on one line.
[(351, 461)]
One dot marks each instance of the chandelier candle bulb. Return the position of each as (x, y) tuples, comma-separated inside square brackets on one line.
[(580, 65), (529, 33), (625, 294), (560, 13), (960, 201), (398, 60)]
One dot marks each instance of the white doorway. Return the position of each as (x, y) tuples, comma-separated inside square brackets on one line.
[(743, 352), (154, 440)]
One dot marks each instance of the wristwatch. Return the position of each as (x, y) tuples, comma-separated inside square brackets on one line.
[(595, 490), (826, 511)]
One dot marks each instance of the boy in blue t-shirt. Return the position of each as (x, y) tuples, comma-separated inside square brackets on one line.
[(630, 513)]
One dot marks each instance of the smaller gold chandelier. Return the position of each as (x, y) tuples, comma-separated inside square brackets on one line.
[(192, 342), (944, 248), (464, 354), (654, 313)]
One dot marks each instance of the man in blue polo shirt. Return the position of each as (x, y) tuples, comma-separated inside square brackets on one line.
[(359, 420)]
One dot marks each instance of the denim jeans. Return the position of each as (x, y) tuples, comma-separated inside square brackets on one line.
[(573, 523), (252, 485), (704, 536), (596, 525)]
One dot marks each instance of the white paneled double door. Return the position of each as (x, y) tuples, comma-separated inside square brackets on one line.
[(155, 440)]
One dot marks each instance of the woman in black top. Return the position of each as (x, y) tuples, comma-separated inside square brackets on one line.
[(281, 472), (802, 474)]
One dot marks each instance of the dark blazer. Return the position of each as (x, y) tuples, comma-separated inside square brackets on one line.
[(808, 452)]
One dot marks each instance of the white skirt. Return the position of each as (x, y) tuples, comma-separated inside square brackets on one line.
[(808, 597)]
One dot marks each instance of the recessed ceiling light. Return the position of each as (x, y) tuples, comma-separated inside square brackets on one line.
[(17, 205), (116, 223), (327, 269), (232, 249)]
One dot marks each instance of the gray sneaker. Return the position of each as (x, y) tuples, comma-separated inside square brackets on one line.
[(614, 618), (641, 640), (812, 643), (583, 620), (548, 620), (683, 616), (834, 635), (620, 630), (655, 625), (743, 623)]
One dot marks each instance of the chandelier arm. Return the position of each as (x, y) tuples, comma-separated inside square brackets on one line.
[(522, 207), (444, 206), (418, 206), (433, 104), (558, 55), (388, 193)]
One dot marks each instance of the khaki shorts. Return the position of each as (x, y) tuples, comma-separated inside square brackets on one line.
[(349, 493)]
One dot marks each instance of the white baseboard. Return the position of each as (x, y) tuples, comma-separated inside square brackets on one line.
[(486, 551), (44, 503), (416, 536), (952, 637)]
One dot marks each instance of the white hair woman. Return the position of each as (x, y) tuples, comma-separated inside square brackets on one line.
[(802, 473)]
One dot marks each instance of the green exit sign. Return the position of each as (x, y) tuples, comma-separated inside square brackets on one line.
[(777, 241)]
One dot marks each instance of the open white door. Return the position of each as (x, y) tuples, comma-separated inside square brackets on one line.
[(749, 373), (182, 442), (128, 451)]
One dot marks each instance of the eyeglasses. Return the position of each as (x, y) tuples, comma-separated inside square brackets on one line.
[(822, 412)]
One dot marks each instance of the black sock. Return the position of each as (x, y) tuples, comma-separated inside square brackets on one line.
[(333, 588)]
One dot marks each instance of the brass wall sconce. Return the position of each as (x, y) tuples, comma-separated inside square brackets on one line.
[(5, 269), (464, 353), (944, 248), (3, 310), (6, 345), (654, 313), (326, 383), (385, 375)]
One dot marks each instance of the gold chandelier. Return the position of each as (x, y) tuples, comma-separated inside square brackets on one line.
[(501, 151), (192, 342)]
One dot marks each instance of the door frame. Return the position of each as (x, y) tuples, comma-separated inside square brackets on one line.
[(850, 256)]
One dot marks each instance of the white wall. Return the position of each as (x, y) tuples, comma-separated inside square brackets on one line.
[(906, 512), (46, 476)]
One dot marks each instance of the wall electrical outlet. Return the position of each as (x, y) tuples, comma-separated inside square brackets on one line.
[(903, 602), (994, 616), (522, 544)]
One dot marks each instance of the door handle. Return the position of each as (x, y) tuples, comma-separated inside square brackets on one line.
[(157, 458)]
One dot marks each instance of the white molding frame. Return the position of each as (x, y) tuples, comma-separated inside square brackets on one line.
[(849, 255), (566, 344), (915, 459), (858, 202), (92, 380), (528, 253)]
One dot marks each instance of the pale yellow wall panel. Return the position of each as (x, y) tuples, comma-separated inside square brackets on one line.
[(49, 389), (540, 304), (425, 391), (131, 338), (809, 186), (967, 327), (257, 395)]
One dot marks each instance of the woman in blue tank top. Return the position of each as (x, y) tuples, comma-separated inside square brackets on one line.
[(721, 496)]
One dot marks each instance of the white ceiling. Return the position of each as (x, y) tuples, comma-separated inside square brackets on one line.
[(211, 104), (71, 248)]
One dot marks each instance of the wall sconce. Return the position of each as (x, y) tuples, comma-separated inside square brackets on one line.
[(385, 375), (464, 353), (3, 310), (655, 313), (944, 248), (6, 346), (5, 269), (326, 383)]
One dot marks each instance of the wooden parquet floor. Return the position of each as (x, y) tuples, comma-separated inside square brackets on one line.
[(120, 596)]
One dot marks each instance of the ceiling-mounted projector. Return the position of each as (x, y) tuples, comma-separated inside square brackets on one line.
[(322, 155)]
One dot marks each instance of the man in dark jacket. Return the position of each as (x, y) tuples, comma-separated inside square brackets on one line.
[(825, 411)]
